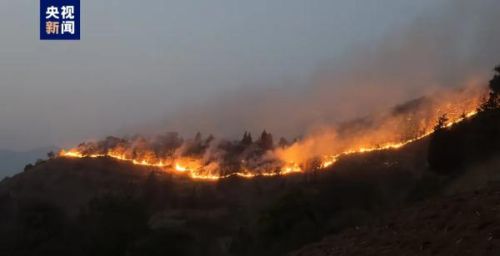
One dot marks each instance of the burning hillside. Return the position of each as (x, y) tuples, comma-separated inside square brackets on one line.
[(211, 158)]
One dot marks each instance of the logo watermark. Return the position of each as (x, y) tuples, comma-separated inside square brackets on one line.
[(59, 19)]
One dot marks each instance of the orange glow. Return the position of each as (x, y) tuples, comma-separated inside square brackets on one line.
[(391, 132), (195, 170)]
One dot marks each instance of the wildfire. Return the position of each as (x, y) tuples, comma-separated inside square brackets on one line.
[(199, 159), (194, 169)]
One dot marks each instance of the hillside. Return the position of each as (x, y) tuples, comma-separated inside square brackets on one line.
[(104, 206), (463, 224), (460, 215), (233, 216)]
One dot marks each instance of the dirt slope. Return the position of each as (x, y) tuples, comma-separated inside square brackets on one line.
[(464, 224)]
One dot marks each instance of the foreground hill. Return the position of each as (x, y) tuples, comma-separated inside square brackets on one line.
[(461, 214), (463, 224), (102, 206), (71, 184)]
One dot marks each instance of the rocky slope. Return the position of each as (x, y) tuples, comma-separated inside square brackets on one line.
[(463, 224)]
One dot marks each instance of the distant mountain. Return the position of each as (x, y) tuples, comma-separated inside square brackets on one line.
[(12, 162)]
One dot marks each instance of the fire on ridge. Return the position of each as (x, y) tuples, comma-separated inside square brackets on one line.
[(211, 159)]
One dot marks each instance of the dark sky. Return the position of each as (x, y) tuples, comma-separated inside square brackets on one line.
[(142, 64)]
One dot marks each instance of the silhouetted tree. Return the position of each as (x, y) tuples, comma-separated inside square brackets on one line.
[(473, 140), (463, 115), (247, 139), (266, 141), (28, 167), (39, 162), (441, 123), (495, 81), (493, 102), (51, 155)]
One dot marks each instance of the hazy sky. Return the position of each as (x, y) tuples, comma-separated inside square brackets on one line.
[(138, 61)]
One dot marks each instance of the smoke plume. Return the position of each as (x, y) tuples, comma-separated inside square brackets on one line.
[(377, 97), (451, 46)]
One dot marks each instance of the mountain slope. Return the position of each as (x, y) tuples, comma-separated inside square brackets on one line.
[(463, 224), (118, 208)]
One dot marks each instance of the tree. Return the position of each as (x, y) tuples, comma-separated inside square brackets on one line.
[(495, 81), (266, 141), (247, 139), (39, 162), (51, 155), (441, 123), (493, 101), (28, 167)]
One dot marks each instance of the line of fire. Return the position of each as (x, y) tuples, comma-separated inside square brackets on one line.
[(210, 158)]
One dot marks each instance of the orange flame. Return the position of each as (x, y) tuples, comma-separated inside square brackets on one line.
[(194, 169), (293, 158)]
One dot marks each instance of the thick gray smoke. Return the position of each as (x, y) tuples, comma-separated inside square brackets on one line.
[(454, 45)]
